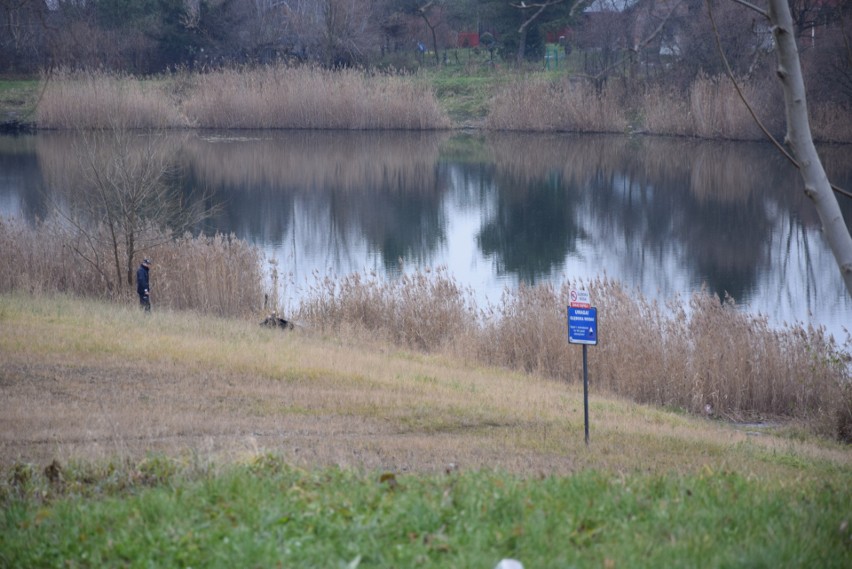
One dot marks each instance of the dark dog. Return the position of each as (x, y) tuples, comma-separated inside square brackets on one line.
[(275, 321)]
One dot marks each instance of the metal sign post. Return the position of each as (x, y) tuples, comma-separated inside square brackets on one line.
[(583, 329), (586, 392)]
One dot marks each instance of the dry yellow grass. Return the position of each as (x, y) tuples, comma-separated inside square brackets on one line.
[(94, 99), (263, 97), (687, 354), (541, 105), (87, 380)]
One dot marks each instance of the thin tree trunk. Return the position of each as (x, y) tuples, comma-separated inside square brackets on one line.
[(432, 30), (435, 44), (817, 186)]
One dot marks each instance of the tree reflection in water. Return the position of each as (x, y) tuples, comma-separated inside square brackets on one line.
[(664, 215)]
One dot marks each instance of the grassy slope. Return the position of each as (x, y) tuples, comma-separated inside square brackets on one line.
[(268, 448), (465, 91)]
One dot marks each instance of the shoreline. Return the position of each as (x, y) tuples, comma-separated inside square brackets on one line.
[(11, 125)]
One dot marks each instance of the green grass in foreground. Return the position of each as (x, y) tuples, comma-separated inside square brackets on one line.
[(264, 514)]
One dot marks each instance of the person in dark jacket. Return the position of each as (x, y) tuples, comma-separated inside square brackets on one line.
[(142, 285)]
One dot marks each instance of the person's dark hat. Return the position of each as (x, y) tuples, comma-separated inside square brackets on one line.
[(146, 262)]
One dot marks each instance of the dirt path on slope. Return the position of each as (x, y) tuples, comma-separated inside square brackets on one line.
[(53, 410)]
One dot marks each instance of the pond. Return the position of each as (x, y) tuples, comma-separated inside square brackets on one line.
[(665, 216)]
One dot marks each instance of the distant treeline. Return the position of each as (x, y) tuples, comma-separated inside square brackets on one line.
[(630, 41)]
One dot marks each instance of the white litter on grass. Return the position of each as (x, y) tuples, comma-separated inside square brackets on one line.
[(509, 564)]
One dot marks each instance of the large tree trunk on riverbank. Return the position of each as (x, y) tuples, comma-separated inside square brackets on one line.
[(817, 186)]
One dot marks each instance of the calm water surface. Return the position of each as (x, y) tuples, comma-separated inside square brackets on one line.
[(664, 216)]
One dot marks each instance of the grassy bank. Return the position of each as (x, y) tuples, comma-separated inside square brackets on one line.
[(466, 96), (698, 355), (92, 379), (184, 439)]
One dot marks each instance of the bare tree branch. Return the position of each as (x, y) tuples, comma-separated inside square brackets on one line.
[(634, 49), (751, 6), (750, 109)]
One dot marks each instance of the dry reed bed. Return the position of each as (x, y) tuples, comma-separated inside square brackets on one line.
[(312, 98), (542, 105), (263, 97), (217, 275), (98, 100), (705, 356), (282, 97), (830, 122), (709, 108)]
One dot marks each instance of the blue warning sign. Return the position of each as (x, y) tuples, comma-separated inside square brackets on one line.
[(583, 325)]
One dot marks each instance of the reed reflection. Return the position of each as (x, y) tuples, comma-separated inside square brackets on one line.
[(664, 215), (338, 190), (21, 185)]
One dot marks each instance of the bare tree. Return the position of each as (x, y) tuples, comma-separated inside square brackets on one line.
[(530, 12), (432, 22), (124, 204), (619, 37), (23, 33), (348, 31)]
